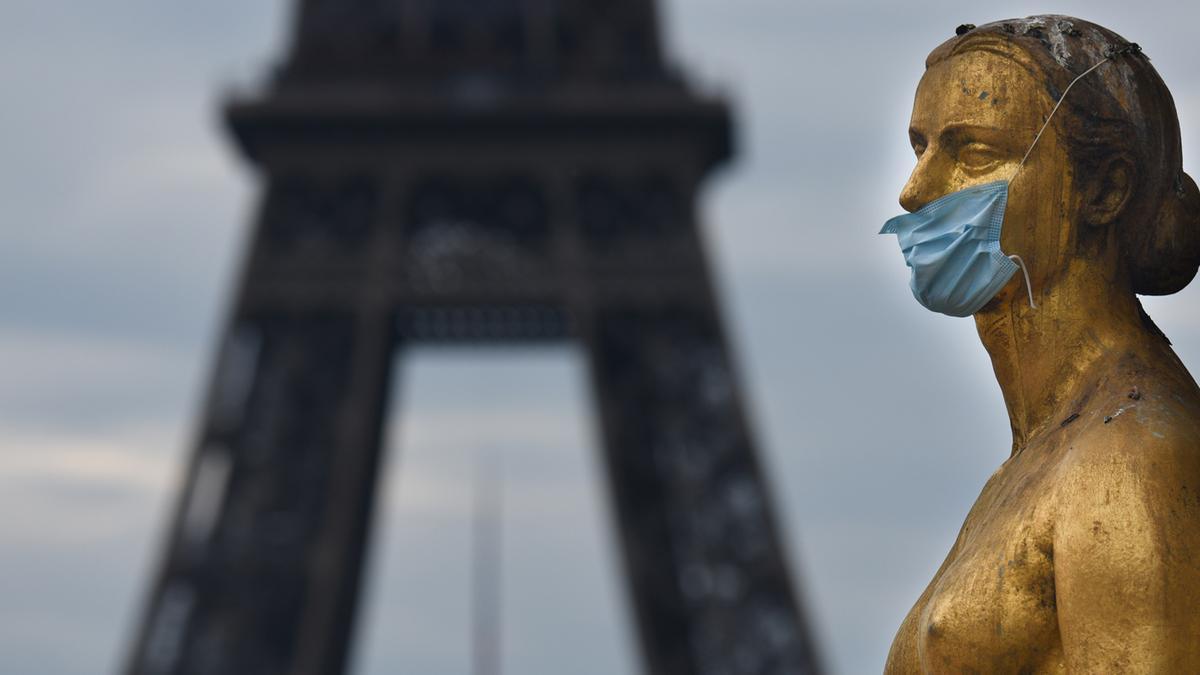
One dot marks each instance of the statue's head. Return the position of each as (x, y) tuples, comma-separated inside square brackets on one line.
[(1104, 184)]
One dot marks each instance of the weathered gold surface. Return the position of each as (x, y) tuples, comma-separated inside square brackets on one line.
[(1082, 553)]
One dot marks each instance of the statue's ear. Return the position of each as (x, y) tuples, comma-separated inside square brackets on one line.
[(1108, 189)]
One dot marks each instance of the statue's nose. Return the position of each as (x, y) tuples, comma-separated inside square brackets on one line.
[(912, 197), (921, 188)]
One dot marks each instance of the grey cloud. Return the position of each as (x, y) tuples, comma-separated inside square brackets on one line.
[(124, 210)]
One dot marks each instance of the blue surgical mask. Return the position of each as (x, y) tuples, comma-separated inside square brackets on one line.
[(953, 247), (952, 244)]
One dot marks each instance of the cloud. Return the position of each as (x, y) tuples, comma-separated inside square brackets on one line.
[(55, 382), (80, 531), (78, 488), (124, 209)]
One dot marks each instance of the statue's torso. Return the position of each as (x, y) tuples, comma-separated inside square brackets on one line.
[(992, 606)]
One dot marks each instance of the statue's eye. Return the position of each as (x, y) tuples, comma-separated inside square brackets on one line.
[(918, 143), (976, 156)]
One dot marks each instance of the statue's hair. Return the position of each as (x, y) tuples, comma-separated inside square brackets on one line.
[(1122, 108)]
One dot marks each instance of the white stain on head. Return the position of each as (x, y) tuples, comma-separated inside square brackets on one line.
[(1055, 33)]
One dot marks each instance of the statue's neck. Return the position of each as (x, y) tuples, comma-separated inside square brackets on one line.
[(1046, 359)]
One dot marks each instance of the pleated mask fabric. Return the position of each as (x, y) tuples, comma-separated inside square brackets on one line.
[(952, 246)]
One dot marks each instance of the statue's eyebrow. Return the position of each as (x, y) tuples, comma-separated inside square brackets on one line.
[(985, 133)]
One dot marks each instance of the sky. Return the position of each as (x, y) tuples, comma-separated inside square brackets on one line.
[(125, 212)]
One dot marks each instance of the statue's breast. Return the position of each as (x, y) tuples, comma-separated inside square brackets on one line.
[(992, 608), (992, 611)]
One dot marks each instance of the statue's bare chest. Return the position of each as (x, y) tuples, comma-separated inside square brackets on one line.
[(991, 608)]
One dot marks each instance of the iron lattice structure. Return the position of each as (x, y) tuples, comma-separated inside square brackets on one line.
[(470, 171)]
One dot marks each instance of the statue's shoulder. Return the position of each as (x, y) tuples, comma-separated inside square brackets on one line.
[(1126, 532), (1136, 456)]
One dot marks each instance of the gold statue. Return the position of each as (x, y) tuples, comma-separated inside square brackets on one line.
[(1082, 553)]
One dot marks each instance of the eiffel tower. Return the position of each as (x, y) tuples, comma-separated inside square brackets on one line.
[(470, 171)]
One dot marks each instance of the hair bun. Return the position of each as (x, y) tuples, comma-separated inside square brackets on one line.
[(1164, 258)]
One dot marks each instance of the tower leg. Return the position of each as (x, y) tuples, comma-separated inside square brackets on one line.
[(263, 565), (709, 584)]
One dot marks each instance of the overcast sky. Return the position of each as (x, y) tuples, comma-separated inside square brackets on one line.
[(124, 212)]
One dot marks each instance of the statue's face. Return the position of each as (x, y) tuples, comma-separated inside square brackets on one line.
[(974, 117)]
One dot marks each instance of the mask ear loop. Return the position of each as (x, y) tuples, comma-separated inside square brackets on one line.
[(1016, 258), (1028, 287)]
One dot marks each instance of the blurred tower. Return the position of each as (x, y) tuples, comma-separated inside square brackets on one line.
[(470, 170)]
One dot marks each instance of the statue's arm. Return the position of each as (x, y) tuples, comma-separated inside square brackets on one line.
[(1127, 580)]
